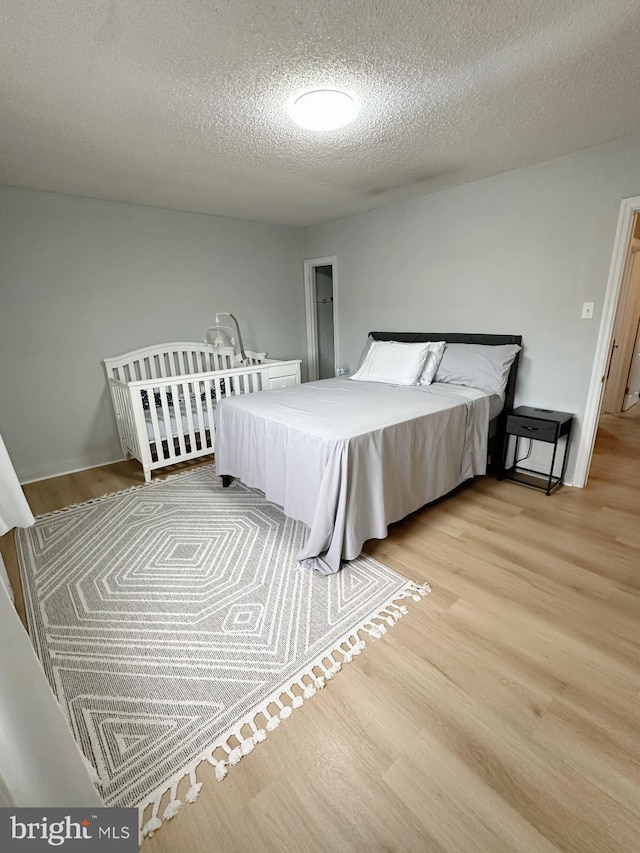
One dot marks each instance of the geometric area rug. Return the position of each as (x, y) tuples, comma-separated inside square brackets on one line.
[(175, 626)]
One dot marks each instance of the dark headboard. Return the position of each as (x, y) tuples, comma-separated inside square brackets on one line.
[(497, 433)]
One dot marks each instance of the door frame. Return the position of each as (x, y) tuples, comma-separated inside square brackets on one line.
[(625, 329), (613, 391), (311, 312), (628, 208), (626, 404)]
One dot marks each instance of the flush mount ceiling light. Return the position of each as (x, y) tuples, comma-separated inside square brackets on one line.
[(324, 109)]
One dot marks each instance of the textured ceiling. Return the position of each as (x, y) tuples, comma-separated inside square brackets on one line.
[(182, 103)]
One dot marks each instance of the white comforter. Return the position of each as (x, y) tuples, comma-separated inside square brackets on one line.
[(349, 458)]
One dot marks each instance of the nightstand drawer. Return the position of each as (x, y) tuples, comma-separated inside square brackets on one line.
[(532, 428)]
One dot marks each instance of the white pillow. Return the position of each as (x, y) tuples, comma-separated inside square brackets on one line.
[(434, 357), (393, 362), (477, 365)]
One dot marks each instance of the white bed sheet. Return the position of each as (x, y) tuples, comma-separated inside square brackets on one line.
[(349, 458)]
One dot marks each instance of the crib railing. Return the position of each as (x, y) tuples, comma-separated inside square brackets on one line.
[(180, 424), (178, 359)]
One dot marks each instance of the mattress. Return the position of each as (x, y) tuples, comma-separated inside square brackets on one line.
[(178, 423), (349, 458)]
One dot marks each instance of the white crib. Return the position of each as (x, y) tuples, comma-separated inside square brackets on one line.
[(164, 397)]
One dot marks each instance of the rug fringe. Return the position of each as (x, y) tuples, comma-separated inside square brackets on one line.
[(234, 745)]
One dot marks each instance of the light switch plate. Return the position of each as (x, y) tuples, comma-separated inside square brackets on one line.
[(587, 310)]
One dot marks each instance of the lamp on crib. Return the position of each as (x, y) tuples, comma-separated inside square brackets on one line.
[(218, 336)]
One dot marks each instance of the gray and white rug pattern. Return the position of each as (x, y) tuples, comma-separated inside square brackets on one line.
[(175, 626)]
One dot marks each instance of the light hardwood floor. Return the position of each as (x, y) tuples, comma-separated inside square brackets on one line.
[(501, 716)]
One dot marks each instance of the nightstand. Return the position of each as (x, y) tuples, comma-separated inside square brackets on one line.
[(537, 425)]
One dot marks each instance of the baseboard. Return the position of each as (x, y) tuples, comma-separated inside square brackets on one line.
[(59, 469)]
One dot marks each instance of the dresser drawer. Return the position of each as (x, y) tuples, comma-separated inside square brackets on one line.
[(284, 369), (283, 374), (532, 428), (283, 381)]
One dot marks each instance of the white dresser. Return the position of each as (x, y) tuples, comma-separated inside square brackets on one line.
[(284, 373)]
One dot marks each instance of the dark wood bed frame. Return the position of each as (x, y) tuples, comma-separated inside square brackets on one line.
[(497, 427)]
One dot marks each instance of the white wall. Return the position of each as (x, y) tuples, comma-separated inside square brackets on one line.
[(516, 253), (82, 279)]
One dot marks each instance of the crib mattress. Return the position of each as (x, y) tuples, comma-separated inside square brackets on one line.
[(178, 423)]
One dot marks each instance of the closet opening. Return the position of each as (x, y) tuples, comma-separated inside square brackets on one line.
[(320, 305)]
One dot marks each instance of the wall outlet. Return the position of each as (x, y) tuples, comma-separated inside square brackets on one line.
[(587, 310)]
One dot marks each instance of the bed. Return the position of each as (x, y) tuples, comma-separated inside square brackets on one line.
[(164, 396), (349, 458)]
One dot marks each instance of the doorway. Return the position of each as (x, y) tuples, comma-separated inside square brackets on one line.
[(622, 384), (320, 304), (602, 361)]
